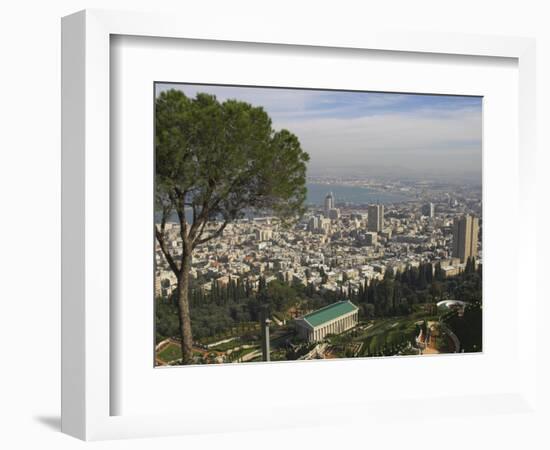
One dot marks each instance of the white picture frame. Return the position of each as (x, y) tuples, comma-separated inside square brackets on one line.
[(86, 245)]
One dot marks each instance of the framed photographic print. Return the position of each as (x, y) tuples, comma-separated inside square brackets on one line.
[(250, 218), (299, 224)]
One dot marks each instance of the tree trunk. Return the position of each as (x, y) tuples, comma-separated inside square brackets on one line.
[(183, 309)]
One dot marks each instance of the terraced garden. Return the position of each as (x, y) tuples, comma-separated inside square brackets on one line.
[(388, 336)]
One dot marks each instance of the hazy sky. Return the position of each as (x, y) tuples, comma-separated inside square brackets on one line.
[(372, 134)]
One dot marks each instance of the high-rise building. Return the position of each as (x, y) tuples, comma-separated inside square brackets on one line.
[(428, 210), (465, 236), (329, 202), (375, 219), (313, 224), (371, 238)]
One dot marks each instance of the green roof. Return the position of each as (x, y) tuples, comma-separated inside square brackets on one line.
[(329, 313)]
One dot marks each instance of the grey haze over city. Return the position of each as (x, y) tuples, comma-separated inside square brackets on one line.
[(369, 134)]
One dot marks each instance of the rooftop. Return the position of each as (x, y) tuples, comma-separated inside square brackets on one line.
[(329, 312)]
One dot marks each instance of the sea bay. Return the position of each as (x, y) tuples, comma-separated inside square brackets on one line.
[(358, 195)]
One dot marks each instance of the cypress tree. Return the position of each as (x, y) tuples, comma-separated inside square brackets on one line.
[(422, 282), (429, 272)]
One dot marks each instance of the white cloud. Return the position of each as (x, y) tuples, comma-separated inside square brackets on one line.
[(346, 132), (430, 139)]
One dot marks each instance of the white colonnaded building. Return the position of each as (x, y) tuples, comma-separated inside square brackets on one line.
[(332, 319)]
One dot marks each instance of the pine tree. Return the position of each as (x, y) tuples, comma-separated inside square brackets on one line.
[(422, 282)]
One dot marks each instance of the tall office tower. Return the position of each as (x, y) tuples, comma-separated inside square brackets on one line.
[(313, 224), (375, 219), (428, 210), (465, 235), (329, 202)]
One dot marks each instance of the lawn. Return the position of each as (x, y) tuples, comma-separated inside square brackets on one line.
[(245, 328), (234, 356), (386, 334), (170, 353)]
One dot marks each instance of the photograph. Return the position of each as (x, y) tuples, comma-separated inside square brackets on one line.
[(295, 224)]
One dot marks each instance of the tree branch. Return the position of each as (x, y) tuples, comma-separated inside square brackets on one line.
[(160, 238), (194, 218), (201, 219), (178, 200), (216, 234), (198, 232)]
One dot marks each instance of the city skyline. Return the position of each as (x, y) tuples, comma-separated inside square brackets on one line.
[(383, 135), (259, 257)]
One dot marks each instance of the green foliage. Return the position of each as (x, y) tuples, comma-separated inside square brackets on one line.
[(232, 309), (398, 292), (223, 158), (219, 160), (280, 296), (166, 319), (388, 337), (469, 327), (170, 353), (227, 310)]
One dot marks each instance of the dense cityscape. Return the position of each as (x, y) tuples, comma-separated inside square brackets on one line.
[(397, 273)]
